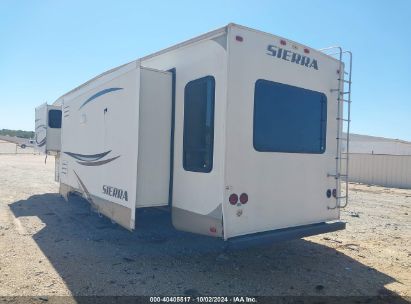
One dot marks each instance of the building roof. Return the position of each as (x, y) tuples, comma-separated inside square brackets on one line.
[(366, 144), (360, 137)]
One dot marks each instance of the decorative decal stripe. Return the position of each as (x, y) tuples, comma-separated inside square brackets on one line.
[(97, 163), (41, 126), (83, 187), (98, 94), (87, 157), (42, 143)]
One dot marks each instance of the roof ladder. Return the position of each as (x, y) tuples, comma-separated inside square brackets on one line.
[(343, 124)]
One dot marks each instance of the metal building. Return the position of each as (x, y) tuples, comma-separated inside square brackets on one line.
[(380, 161)]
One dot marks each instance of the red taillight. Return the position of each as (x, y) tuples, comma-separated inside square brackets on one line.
[(307, 51), (239, 38), (244, 198), (233, 199), (283, 42), (213, 229)]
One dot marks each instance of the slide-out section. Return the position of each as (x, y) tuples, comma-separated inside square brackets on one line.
[(48, 128), (100, 143), (116, 141)]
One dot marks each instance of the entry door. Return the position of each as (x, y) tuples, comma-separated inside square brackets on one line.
[(196, 169)]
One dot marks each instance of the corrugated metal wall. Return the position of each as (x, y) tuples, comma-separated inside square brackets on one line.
[(381, 169)]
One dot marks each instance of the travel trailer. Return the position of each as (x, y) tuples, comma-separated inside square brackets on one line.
[(237, 131)]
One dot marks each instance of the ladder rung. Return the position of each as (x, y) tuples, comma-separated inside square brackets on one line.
[(344, 119), (341, 175), (341, 158), (346, 81), (342, 138), (342, 93), (344, 100), (340, 197)]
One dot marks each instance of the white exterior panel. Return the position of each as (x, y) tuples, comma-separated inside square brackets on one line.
[(196, 193), (284, 189), (100, 146)]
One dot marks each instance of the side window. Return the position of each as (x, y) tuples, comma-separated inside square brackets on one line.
[(55, 119), (198, 137)]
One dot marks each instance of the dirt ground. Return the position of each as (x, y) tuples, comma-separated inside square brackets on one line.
[(50, 247)]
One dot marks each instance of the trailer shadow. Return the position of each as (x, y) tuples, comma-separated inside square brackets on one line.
[(96, 257)]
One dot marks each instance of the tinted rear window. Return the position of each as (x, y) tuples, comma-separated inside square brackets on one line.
[(288, 118)]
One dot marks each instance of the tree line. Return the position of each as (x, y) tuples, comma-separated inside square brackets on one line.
[(17, 133)]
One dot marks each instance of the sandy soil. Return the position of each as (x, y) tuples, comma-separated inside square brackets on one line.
[(50, 247)]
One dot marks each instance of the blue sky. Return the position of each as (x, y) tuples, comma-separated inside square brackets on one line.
[(49, 47)]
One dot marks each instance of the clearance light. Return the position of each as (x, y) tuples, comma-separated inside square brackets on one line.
[(283, 42), (307, 51), (243, 198), (233, 199)]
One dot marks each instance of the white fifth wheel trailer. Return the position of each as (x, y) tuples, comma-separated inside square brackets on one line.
[(238, 131)]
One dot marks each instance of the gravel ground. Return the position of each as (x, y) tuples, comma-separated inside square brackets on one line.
[(50, 248)]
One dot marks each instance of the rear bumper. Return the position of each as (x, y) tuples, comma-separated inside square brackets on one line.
[(280, 235)]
